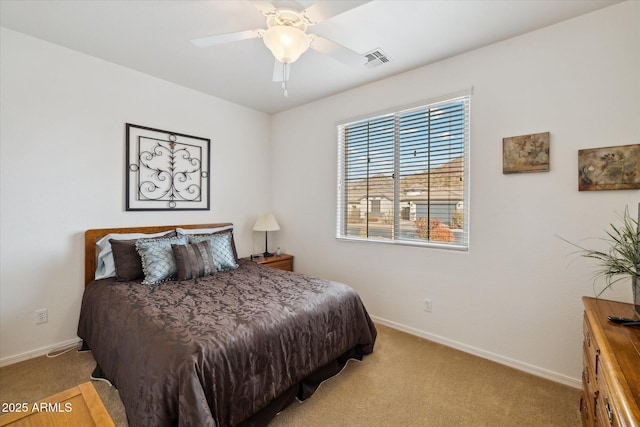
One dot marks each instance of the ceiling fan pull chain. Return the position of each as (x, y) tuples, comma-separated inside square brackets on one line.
[(284, 75), (284, 79)]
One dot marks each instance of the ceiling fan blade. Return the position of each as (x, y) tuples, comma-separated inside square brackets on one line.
[(337, 52), (264, 6), (304, 4), (226, 38), (323, 10), (281, 71)]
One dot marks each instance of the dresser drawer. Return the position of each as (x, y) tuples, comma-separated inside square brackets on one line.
[(607, 413), (591, 350), (586, 413), (589, 388), (588, 373)]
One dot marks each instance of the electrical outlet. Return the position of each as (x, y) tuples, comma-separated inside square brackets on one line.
[(42, 316), (428, 305)]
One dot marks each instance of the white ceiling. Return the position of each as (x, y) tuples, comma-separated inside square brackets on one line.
[(154, 37)]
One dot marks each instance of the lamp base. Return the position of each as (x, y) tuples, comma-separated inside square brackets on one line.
[(267, 254)]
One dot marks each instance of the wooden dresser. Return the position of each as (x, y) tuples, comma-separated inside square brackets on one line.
[(611, 372)]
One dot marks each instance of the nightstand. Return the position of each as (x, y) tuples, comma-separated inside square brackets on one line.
[(283, 262)]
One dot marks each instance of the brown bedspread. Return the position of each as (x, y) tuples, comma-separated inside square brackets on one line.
[(215, 350)]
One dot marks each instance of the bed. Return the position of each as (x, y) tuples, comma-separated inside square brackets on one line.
[(231, 348)]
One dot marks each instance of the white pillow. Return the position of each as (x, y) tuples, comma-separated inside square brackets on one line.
[(106, 266), (187, 231)]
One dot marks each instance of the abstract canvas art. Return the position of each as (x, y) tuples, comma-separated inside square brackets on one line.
[(166, 170), (609, 168), (526, 153)]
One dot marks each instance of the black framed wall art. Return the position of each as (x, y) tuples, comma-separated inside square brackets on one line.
[(166, 170)]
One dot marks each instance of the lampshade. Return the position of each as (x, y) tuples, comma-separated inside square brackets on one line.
[(266, 223), (286, 43)]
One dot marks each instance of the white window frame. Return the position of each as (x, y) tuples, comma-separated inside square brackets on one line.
[(396, 238)]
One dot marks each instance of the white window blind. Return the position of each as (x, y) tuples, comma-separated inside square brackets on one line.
[(403, 177)]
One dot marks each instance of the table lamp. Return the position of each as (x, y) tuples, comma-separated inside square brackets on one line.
[(266, 223)]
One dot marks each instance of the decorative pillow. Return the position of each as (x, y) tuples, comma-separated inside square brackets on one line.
[(217, 230), (105, 266), (158, 262), (194, 260), (127, 262), (222, 248), (187, 231)]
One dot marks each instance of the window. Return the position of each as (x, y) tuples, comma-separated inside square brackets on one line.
[(403, 177)]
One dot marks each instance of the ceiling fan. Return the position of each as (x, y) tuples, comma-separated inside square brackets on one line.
[(286, 34)]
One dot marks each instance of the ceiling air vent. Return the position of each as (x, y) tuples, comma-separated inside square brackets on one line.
[(376, 57)]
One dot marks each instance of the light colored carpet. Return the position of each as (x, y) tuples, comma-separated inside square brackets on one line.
[(407, 381)]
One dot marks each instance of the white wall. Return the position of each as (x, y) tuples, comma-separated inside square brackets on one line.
[(62, 156), (515, 295)]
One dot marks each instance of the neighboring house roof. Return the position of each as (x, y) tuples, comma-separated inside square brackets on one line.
[(446, 182), (435, 196)]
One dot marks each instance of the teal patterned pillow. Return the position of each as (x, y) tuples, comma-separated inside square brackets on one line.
[(158, 262), (221, 247)]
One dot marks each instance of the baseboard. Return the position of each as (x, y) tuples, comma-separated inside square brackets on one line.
[(531, 369), (522, 366), (10, 360)]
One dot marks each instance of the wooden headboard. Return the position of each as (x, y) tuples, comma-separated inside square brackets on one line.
[(92, 236)]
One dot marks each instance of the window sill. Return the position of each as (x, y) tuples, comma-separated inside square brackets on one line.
[(431, 245)]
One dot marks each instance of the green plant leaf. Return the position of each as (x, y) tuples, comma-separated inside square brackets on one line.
[(622, 258)]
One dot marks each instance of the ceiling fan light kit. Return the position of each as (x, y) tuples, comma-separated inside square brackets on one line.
[(286, 43), (286, 39)]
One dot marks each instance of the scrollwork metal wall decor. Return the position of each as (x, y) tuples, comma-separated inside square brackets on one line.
[(166, 170)]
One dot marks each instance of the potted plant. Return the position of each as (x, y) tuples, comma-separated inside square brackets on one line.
[(622, 259)]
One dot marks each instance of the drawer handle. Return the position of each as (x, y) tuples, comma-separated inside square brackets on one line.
[(607, 407), (587, 339)]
